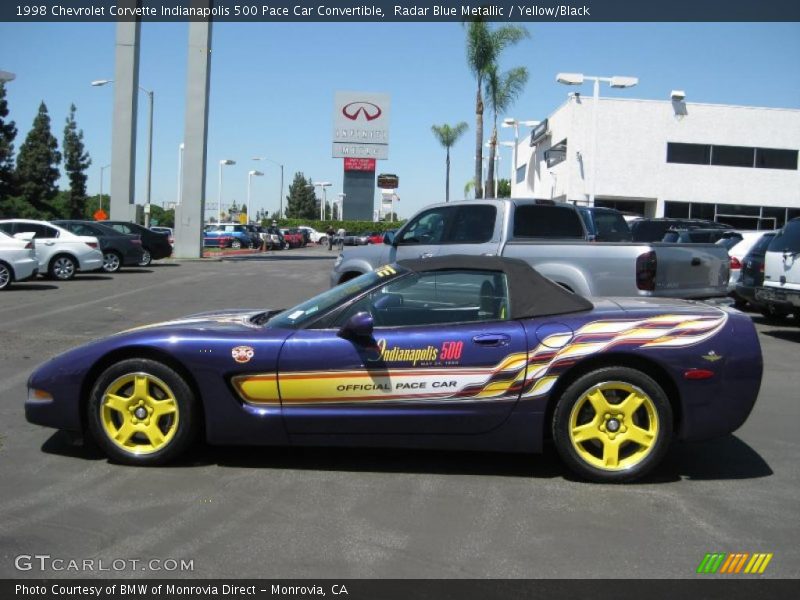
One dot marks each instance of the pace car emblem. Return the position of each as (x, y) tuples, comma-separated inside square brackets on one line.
[(242, 354), (712, 356)]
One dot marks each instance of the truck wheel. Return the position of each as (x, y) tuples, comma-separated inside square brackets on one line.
[(612, 425)]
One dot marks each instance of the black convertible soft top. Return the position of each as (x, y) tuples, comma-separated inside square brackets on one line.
[(530, 294)]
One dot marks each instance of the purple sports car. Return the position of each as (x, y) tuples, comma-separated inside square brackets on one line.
[(457, 352)]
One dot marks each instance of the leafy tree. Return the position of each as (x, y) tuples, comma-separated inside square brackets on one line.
[(37, 164), (504, 188), (76, 161), (501, 91), (8, 132), (165, 218), (448, 136), (301, 203), (484, 46)]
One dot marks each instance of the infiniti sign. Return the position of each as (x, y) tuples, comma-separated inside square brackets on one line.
[(361, 125)]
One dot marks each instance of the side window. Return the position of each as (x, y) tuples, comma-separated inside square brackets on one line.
[(121, 228), (472, 225), (40, 231), (7, 228), (436, 298), (427, 228), (537, 221)]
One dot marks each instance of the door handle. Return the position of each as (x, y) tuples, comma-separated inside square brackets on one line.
[(491, 339), (49, 243), (426, 255)]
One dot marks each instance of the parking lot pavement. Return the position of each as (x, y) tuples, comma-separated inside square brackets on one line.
[(261, 512)]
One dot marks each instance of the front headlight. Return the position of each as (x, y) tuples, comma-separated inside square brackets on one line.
[(339, 260)]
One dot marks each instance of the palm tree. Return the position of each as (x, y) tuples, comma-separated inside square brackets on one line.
[(502, 90), (484, 46), (448, 136)]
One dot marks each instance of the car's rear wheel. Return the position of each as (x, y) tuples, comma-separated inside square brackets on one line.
[(111, 262), (142, 412), (6, 276), (236, 244), (612, 425), (773, 313), (147, 258), (62, 267)]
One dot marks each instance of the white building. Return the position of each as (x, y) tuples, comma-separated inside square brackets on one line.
[(735, 164)]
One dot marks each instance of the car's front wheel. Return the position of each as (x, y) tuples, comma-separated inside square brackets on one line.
[(63, 267), (142, 412), (5, 276), (111, 262), (146, 258), (612, 425), (236, 244)]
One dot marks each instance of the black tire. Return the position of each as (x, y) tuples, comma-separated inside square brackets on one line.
[(62, 267), (6, 276), (178, 428), (236, 244), (147, 258), (773, 313), (578, 425), (112, 261)]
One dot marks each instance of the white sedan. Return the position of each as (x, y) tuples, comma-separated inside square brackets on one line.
[(315, 236), (17, 260), (60, 253)]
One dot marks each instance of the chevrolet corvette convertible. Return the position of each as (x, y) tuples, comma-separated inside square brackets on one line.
[(455, 352)]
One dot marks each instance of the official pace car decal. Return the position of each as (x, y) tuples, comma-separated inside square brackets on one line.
[(242, 354), (519, 375)]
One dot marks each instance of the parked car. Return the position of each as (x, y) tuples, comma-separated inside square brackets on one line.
[(215, 239), (254, 231), (155, 246), (653, 229), (294, 240), (752, 273), (166, 230), (351, 239), (780, 293), (738, 244), (315, 236), (119, 249), (699, 235), (375, 237), (553, 238), (456, 352), (18, 260), (275, 239), (605, 224), (241, 237), (60, 253)]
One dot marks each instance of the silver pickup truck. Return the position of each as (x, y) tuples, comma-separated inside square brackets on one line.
[(553, 238)]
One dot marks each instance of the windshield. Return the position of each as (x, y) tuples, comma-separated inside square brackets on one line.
[(295, 317), (787, 239)]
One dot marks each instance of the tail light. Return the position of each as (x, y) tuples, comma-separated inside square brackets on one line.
[(29, 246), (735, 263), (761, 268), (91, 244), (646, 271)]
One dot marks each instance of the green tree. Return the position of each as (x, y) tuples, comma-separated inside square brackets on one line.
[(37, 165), (8, 132), (301, 203), (448, 136), (76, 162), (504, 188), (502, 89), (484, 46)]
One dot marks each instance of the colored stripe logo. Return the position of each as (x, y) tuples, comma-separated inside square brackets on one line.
[(734, 563)]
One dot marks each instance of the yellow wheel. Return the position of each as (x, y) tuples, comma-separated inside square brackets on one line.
[(141, 412), (612, 424)]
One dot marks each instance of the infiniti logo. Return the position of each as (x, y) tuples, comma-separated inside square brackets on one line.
[(368, 109)]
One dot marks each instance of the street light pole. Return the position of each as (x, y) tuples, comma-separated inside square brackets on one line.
[(324, 185), (511, 122), (224, 162), (250, 175), (280, 196), (617, 81), (180, 173), (101, 185)]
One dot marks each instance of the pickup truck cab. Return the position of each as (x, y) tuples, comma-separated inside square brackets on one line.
[(554, 239), (781, 291)]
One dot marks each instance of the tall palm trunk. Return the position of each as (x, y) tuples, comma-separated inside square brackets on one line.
[(490, 167), (479, 142), (447, 177)]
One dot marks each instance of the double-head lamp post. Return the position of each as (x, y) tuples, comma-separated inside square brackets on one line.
[(222, 163), (250, 175), (617, 81)]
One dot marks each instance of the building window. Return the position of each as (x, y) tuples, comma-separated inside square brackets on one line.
[(702, 211), (521, 172), (732, 156), (772, 217), (689, 154), (676, 210), (773, 158), (556, 154)]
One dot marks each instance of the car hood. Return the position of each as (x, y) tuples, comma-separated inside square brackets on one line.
[(374, 253), (225, 320)]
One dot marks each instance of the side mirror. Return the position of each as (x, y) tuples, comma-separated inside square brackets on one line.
[(360, 325), (388, 238)]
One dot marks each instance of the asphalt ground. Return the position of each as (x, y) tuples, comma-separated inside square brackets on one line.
[(300, 513)]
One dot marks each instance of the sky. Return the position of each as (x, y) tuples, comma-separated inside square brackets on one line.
[(272, 89)]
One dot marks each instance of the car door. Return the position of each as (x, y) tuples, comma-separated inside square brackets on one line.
[(443, 358), (423, 236), (47, 242)]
